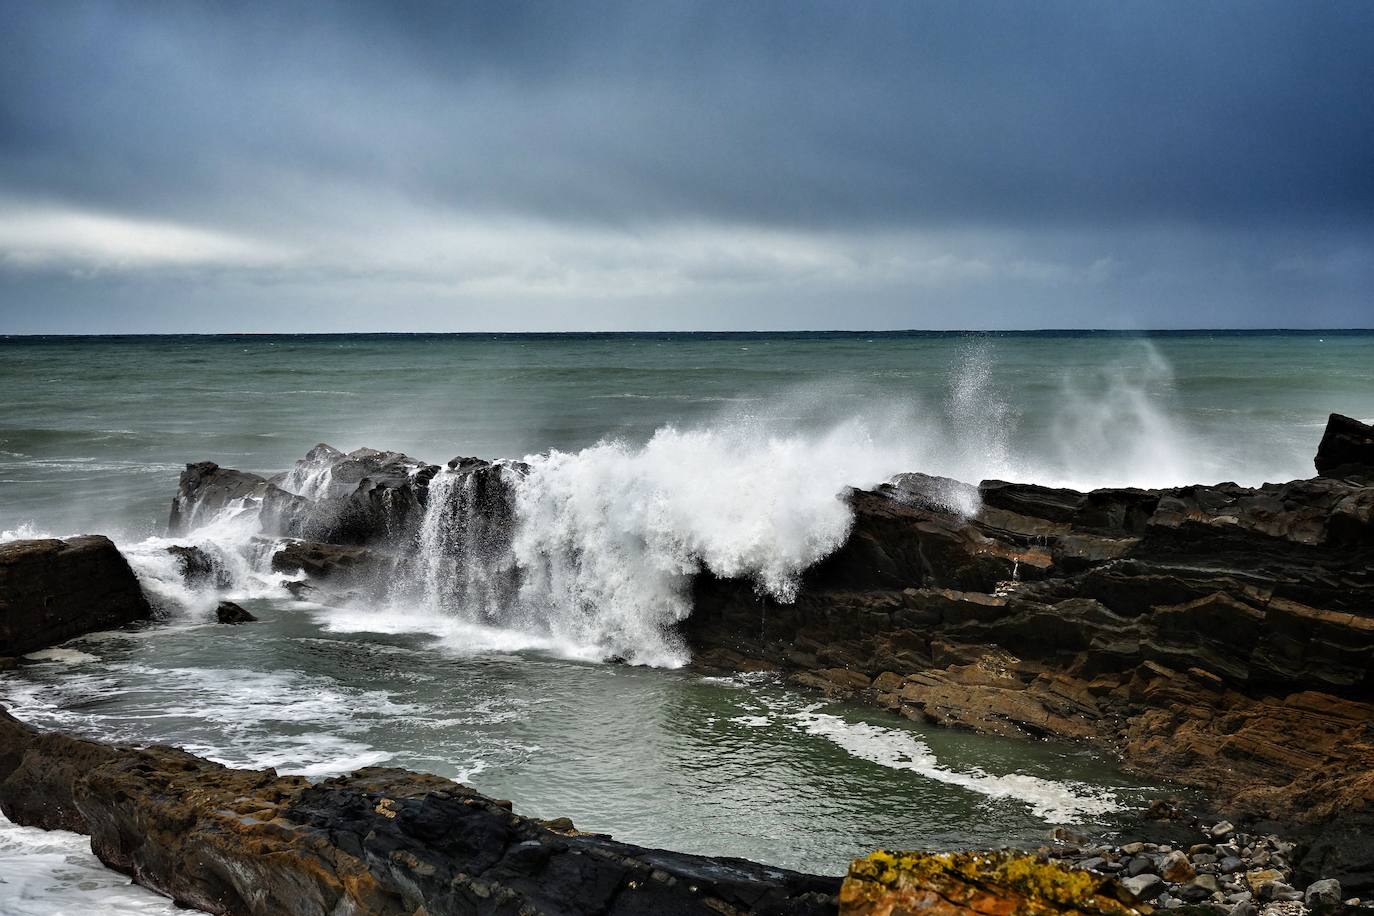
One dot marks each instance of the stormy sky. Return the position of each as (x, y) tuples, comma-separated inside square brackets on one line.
[(182, 166)]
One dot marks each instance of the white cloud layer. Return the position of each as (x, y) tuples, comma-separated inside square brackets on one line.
[(43, 236)]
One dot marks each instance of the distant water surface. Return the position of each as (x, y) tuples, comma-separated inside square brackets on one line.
[(94, 431)]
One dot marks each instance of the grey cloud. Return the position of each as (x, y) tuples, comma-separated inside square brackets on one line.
[(1092, 132)]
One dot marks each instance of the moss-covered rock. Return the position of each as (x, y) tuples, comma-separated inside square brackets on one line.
[(988, 884)]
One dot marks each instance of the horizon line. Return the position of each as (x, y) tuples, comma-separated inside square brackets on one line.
[(683, 333)]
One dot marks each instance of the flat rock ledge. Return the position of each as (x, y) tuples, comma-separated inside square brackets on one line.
[(384, 841), (376, 842)]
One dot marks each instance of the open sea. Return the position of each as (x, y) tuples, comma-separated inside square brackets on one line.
[(726, 451)]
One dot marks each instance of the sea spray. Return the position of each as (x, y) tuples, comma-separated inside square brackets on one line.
[(463, 553), (609, 538), (591, 553)]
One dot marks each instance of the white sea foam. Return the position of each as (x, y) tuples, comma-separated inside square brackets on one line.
[(24, 531), (54, 873), (61, 656), (608, 538), (1054, 801), (240, 561)]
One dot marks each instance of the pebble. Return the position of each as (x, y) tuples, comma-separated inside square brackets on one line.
[(1143, 887), (1229, 873), (1326, 892)]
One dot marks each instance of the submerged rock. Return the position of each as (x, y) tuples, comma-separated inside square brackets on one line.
[(379, 841), (229, 612), (198, 568), (52, 590)]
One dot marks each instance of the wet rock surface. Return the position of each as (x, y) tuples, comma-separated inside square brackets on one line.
[(365, 496), (231, 613), (1217, 636), (52, 590), (379, 841), (1221, 637)]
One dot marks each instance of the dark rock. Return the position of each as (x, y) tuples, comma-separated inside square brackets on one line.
[(198, 568), (1324, 893), (363, 497), (1199, 889), (333, 563), (1340, 847), (204, 489), (52, 590), (229, 612), (380, 841), (299, 590), (1346, 449)]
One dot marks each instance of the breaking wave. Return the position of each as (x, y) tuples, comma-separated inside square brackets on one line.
[(591, 553)]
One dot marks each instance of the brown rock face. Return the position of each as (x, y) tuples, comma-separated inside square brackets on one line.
[(52, 590), (1221, 637), (383, 842)]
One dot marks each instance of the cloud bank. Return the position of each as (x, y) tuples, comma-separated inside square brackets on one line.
[(531, 166)]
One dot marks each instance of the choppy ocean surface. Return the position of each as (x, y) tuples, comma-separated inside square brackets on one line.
[(649, 455)]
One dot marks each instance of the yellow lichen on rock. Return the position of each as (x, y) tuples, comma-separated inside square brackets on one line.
[(986, 884)]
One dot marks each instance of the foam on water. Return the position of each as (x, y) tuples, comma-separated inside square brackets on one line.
[(1051, 800), (61, 656), (54, 873)]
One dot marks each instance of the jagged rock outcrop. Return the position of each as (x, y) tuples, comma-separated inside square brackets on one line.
[(52, 590), (357, 524), (1220, 636), (1346, 449), (198, 568), (206, 489), (379, 841), (363, 497)]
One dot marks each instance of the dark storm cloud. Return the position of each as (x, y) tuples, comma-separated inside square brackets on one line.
[(286, 143), (783, 112)]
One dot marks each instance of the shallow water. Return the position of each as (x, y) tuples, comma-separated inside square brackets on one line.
[(722, 765)]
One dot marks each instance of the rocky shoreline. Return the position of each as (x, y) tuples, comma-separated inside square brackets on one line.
[(383, 841), (1217, 637), (1221, 637)]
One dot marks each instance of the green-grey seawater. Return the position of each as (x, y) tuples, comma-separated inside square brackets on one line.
[(700, 429)]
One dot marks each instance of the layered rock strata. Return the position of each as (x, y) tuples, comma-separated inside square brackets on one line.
[(1218, 636), (378, 841), (1221, 637)]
